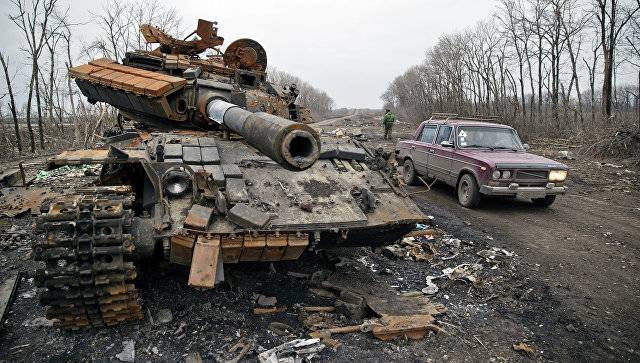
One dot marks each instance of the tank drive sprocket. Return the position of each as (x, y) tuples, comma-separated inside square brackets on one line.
[(85, 243)]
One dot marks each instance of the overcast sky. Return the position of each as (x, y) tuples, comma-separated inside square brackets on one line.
[(351, 49)]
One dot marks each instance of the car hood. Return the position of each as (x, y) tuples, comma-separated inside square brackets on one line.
[(505, 159)]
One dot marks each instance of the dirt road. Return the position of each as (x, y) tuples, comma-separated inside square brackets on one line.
[(583, 248)]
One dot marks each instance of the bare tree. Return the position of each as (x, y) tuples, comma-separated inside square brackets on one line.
[(33, 21), (612, 19), (12, 101)]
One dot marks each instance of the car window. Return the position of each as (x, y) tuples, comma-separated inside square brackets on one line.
[(444, 133), (488, 137), (428, 133)]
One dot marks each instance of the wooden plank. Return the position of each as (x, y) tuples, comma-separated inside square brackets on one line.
[(83, 71), (157, 88), (102, 62), (204, 262)]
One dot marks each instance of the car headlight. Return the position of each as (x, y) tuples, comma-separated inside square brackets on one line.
[(557, 175), (506, 174), (496, 174), (176, 182)]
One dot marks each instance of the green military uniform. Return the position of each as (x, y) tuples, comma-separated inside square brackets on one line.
[(388, 120)]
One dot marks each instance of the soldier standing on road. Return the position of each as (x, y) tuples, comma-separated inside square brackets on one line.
[(388, 120)]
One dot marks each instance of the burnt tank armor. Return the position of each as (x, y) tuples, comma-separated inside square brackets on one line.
[(227, 170)]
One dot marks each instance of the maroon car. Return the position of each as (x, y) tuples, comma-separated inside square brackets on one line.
[(480, 158)]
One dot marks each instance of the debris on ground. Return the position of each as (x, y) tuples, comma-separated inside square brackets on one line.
[(8, 288), (297, 350), (266, 301), (16, 201), (128, 353), (566, 155), (465, 271), (39, 321), (523, 347), (273, 310), (164, 316), (67, 171), (280, 328)]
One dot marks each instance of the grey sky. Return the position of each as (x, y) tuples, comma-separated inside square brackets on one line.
[(351, 49)]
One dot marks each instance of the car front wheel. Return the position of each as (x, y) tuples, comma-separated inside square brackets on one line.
[(409, 172), (544, 202), (468, 191)]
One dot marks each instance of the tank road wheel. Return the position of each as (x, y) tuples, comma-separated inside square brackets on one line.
[(409, 172), (85, 246), (468, 191)]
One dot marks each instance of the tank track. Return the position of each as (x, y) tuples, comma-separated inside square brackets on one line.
[(85, 244)]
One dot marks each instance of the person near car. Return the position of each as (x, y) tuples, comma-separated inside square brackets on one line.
[(388, 120)]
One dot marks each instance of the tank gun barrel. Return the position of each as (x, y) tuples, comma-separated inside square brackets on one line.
[(293, 145)]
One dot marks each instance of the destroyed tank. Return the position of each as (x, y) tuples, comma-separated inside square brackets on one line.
[(225, 170)]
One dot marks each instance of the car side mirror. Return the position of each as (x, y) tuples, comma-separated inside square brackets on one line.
[(526, 146), (446, 143)]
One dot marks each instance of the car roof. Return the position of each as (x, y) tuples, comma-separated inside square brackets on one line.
[(459, 122)]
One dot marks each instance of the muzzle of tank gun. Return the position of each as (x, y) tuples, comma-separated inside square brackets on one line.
[(293, 145)]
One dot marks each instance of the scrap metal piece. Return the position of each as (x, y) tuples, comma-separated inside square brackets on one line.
[(204, 262), (198, 217), (248, 217), (8, 288), (236, 191), (181, 249)]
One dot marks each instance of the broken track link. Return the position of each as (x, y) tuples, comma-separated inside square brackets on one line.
[(87, 280)]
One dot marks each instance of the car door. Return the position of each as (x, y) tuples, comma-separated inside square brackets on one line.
[(440, 157), (422, 145)]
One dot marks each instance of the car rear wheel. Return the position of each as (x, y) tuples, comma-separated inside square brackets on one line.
[(544, 202), (468, 191), (409, 172)]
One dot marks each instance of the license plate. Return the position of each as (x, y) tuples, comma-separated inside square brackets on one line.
[(532, 195)]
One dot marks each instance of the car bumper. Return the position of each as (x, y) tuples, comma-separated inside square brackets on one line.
[(526, 192)]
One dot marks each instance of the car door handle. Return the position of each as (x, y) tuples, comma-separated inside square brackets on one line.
[(432, 151), (413, 147)]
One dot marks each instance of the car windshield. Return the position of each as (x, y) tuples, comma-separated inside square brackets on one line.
[(488, 137)]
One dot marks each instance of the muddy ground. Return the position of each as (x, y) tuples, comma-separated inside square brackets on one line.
[(570, 291)]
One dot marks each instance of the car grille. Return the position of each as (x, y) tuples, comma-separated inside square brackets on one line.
[(532, 175)]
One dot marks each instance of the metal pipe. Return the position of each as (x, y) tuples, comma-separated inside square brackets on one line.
[(293, 145)]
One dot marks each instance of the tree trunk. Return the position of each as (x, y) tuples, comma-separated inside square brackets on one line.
[(32, 139), (12, 102), (39, 107)]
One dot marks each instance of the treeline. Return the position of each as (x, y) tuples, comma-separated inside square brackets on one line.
[(545, 66), (41, 109), (317, 100)]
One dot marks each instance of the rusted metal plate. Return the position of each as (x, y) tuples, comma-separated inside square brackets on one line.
[(90, 156), (204, 262), (412, 327), (231, 249), (276, 244), (252, 247), (296, 244), (181, 249), (198, 217), (15, 201)]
